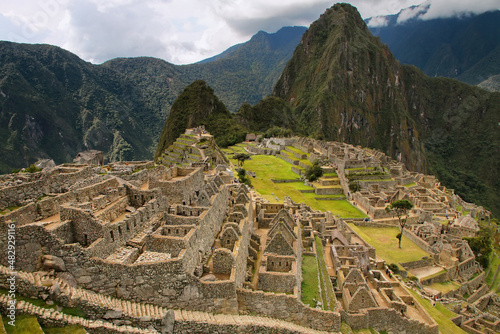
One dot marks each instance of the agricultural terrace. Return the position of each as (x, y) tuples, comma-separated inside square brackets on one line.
[(383, 239), (267, 167)]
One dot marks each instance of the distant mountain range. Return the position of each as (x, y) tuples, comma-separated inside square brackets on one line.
[(466, 48), (53, 104)]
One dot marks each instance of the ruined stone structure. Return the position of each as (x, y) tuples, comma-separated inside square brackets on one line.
[(146, 248)]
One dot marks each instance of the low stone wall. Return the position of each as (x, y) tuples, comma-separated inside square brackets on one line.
[(287, 159), (286, 181), (443, 277), (483, 290), (418, 264), (287, 307), (329, 191), (384, 319), (418, 241)]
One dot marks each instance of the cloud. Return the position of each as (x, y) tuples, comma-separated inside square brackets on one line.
[(413, 12), (433, 9), (443, 8), (378, 21), (180, 31)]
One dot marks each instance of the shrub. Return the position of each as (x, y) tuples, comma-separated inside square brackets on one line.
[(394, 268), (32, 169), (314, 172)]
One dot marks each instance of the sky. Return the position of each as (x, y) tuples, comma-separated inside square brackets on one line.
[(183, 31)]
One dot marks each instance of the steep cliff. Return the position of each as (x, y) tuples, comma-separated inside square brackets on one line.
[(345, 85)]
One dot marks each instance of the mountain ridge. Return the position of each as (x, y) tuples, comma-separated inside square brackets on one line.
[(464, 48), (54, 104), (343, 84)]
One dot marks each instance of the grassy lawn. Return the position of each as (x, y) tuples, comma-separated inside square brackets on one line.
[(24, 324), (436, 312), (383, 239), (38, 302), (268, 167), (296, 150), (310, 280), (445, 287), (64, 330), (491, 280), (408, 185), (434, 275), (328, 295)]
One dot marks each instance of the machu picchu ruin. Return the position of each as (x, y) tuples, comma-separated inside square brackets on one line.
[(179, 245)]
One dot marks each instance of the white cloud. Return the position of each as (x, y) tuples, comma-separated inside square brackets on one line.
[(377, 21), (179, 31), (413, 12), (443, 8)]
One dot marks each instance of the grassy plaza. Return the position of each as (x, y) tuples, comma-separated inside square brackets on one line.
[(268, 167), (383, 239)]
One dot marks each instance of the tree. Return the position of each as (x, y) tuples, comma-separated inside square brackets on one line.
[(314, 172), (400, 208), (481, 245), (241, 157), (354, 186), (243, 178)]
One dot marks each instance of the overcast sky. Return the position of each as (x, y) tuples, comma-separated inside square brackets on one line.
[(180, 31)]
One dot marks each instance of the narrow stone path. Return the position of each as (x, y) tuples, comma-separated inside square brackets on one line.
[(130, 309)]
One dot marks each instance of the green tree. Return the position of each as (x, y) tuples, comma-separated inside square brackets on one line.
[(400, 208), (354, 186), (243, 178), (481, 245), (314, 172), (241, 157)]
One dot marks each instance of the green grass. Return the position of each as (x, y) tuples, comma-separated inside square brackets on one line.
[(445, 324), (434, 275), (328, 295), (310, 280), (462, 210), (408, 185), (38, 302), (296, 150), (268, 167), (64, 330), (383, 239), (491, 280), (448, 313), (445, 287), (306, 162), (330, 175), (360, 168), (9, 209), (24, 324)]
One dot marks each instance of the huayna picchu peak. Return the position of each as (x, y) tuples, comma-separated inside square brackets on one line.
[(345, 85)]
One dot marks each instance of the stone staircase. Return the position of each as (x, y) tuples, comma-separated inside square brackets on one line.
[(51, 316), (131, 310)]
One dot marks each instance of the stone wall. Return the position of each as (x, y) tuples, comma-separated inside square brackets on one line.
[(287, 307), (384, 319), (418, 241), (179, 184), (223, 261), (418, 264), (58, 180), (277, 281), (483, 290)]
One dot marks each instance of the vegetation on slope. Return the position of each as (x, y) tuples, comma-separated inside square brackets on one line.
[(197, 105), (465, 47)]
